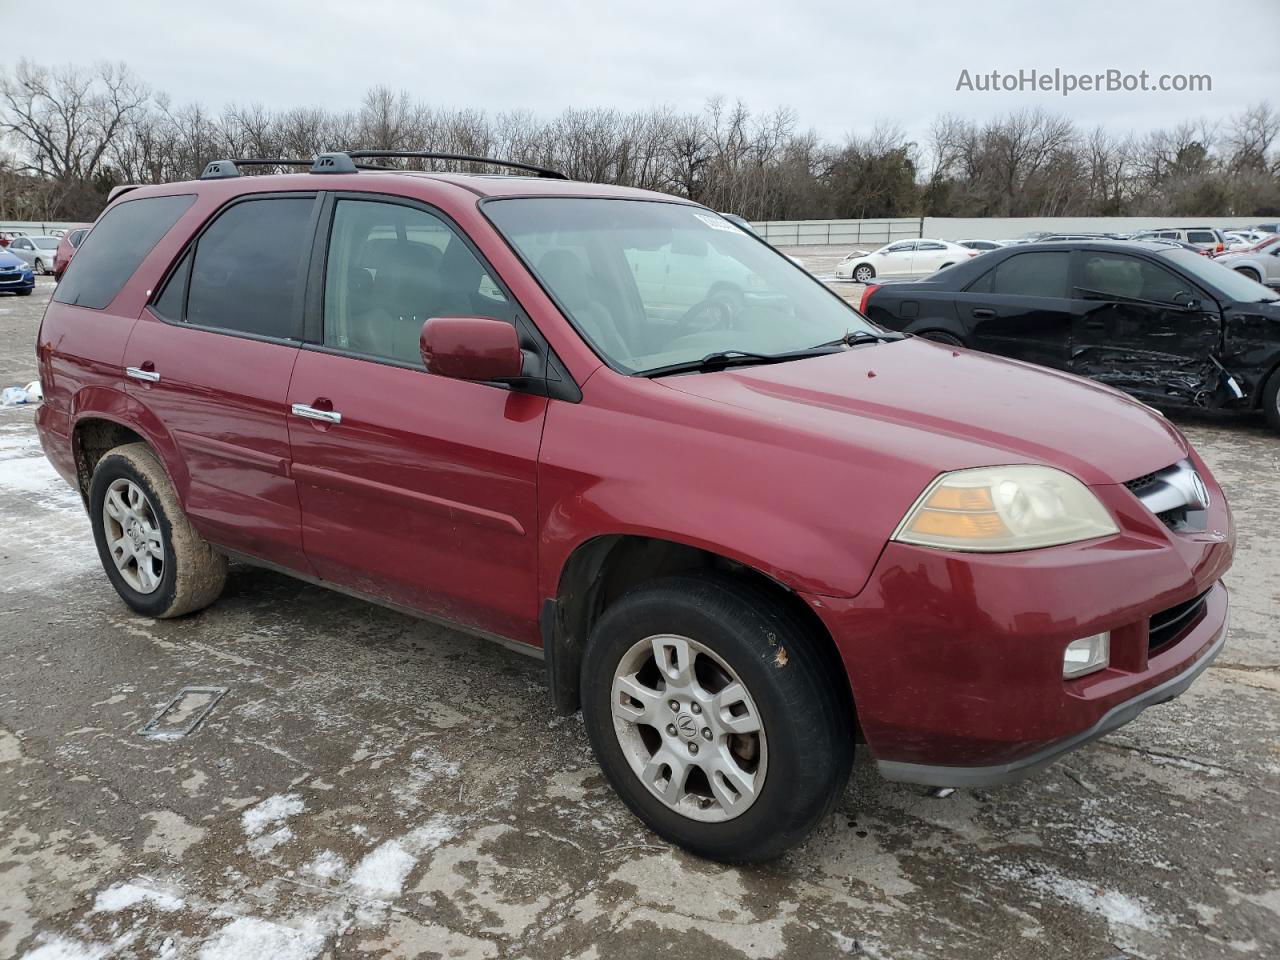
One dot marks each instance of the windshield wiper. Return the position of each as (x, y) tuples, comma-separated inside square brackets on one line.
[(722, 359), (854, 338)]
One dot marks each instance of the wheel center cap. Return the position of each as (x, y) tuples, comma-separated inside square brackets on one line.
[(687, 726)]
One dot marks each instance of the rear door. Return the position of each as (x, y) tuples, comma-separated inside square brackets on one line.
[(928, 257), (1022, 308), (1144, 328), (211, 359), (415, 488)]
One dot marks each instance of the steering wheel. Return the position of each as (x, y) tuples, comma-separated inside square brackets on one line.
[(719, 311)]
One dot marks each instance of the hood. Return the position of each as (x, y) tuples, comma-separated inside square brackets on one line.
[(928, 408), (8, 259)]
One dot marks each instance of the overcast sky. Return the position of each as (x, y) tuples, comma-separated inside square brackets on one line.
[(841, 65)]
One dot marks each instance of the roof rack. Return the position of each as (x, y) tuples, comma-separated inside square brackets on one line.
[(345, 162), (461, 157)]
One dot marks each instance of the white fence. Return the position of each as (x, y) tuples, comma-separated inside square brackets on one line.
[(872, 233), (33, 228), (875, 233)]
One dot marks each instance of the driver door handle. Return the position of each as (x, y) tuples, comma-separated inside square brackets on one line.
[(141, 373), (983, 313), (311, 413)]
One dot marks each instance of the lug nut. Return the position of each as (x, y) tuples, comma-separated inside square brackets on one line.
[(671, 729), (693, 747), (674, 705), (696, 708), (706, 733)]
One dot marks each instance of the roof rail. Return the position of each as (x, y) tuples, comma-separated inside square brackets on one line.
[(224, 169), (464, 158)]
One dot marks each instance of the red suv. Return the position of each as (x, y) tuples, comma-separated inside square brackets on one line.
[(745, 527), (67, 245)]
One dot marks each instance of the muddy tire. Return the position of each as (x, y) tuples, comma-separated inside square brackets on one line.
[(716, 717), (152, 555), (1271, 400)]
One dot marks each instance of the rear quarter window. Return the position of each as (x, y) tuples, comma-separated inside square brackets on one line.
[(116, 246)]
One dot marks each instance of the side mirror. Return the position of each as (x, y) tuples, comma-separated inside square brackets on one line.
[(1191, 304), (471, 348)]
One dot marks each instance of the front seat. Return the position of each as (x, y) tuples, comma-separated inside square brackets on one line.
[(572, 283)]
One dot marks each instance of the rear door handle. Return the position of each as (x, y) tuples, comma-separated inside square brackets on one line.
[(311, 413), (138, 373), (983, 313)]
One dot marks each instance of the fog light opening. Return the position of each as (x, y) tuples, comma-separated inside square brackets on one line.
[(1086, 655)]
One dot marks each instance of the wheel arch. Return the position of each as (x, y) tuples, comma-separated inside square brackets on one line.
[(104, 419), (600, 570)]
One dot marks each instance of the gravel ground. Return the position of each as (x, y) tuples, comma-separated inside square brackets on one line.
[(374, 786)]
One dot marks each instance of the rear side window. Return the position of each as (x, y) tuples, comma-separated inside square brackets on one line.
[(247, 272), (1028, 275), (1201, 236), (118, 243)]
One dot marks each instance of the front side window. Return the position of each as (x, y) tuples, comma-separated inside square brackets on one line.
[(650, 284), (1106, 275), (246, 275), (390, 269), (901, 247), (117, 245)]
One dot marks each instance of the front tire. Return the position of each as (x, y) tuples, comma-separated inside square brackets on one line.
[(715, 717), (152, 555), (864, 274), (1271, 400)]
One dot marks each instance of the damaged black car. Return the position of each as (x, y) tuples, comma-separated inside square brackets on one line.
[(1168, 326)]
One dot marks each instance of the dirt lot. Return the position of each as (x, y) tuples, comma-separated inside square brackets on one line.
[(373, 786)]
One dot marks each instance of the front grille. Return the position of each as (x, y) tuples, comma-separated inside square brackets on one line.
[(1168, 625), (1176, 495)]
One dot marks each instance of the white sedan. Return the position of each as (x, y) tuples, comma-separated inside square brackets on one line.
[(905, 259)]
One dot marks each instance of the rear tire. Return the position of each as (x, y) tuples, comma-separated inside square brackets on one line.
[(40, 267), (1251, 274), (1271, 400), (152, 555), (941, 336), (713, 633)]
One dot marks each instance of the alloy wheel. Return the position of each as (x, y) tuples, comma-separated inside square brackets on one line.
[(133, 535), (689, 728)]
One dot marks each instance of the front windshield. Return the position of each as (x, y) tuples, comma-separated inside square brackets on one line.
[(651, 284), (1221, 277)]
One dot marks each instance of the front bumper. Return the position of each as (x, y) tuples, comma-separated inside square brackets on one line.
[(23, 282), (955, 660)]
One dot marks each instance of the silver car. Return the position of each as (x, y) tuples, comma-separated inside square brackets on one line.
[(1262, 264), (37, 251)]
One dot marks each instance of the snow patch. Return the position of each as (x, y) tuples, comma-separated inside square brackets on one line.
[(61, 948), (125, 895), (249, 937), (1114, 907), (326, 865), (382, 873), (269, 811)]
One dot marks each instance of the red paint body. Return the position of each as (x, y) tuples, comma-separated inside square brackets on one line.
[(67, 249), (466, 500)]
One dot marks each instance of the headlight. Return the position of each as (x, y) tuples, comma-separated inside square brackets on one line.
[(994, 509)]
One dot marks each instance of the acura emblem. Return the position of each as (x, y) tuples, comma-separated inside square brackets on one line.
[(1200, 490)]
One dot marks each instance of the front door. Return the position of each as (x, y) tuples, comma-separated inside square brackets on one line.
[(415, 488), (211, 358), (1144, 329)]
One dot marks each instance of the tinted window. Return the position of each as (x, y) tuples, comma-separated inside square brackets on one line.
[(1117, 275), (1028, 275), (112, 251), (931, 246), (1201, 236), (173, 300), (901, 247), (247, 274), (390, 269), (76, 237)]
